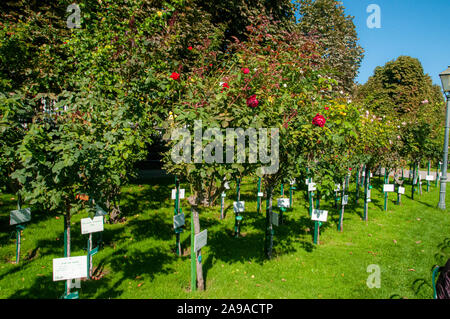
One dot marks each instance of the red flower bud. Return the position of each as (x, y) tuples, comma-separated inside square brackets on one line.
[(175, 76), (252, 101), (245, 70), (319, 120)]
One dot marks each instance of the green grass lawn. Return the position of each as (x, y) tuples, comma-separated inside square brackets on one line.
[(138, 258)]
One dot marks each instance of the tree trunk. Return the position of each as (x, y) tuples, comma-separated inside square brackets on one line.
[(67, 241), (200, 281), (366, 191)]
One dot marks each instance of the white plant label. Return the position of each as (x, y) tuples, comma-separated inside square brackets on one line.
[(174, 194), (239, 207), (69, 268), (429, 178), (388, 188), (345, 200), (311, 187), (224, 195), (401, 190), (260, 194), (283, 202), (319, 215), (91, 225)]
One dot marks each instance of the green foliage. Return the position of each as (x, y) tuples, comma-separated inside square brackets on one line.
[(401, 91), (336, 31)]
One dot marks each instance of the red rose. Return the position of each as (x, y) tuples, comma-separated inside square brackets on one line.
[(327, 108), (175, 76), (319, 120), (190, 48), (245, 70), (252, 101), (349, 168), (225, 85)]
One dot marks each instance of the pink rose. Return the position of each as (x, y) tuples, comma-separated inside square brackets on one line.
[(252, 101), (245, 70)]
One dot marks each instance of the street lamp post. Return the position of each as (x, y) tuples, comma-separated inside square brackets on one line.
[(445, 78)]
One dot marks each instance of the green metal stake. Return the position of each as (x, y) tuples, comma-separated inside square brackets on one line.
[(282, 189), (357, 185), (291, 191), (413, 182), (316, 232), (386, 181), (428, 173), (258, 207), (193, 262), (316, 226)]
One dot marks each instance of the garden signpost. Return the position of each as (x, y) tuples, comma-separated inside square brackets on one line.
[(69, 268), (258, 204), (367, 188), (311, 189), (318, 216), (238, 208), (178, 218), (291, 191), (400, 192), (90, 226), (283, 204), (18, 218), (387, 188), (343, 203)]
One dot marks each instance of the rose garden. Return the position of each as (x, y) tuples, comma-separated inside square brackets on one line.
[(277, 175)]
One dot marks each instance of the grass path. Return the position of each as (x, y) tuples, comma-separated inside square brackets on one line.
[(138, 260)]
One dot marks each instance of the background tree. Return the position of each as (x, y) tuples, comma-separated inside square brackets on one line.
[(336, 31)]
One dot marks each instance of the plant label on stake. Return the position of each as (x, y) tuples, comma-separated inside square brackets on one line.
[(388, 188), (174, 194), (260, 194), (429, 178), (223, 194), (69, 268), (311, 187), (319, 215), (20, 216), (401, 190), (292, 182), (178, 220), (239, 207), (283, 202), (91, 225), (345, 200), (200, 240)]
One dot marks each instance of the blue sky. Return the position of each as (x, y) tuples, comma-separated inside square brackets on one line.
[(418, 28)]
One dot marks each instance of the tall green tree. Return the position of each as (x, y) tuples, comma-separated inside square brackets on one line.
[(327, 20)]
